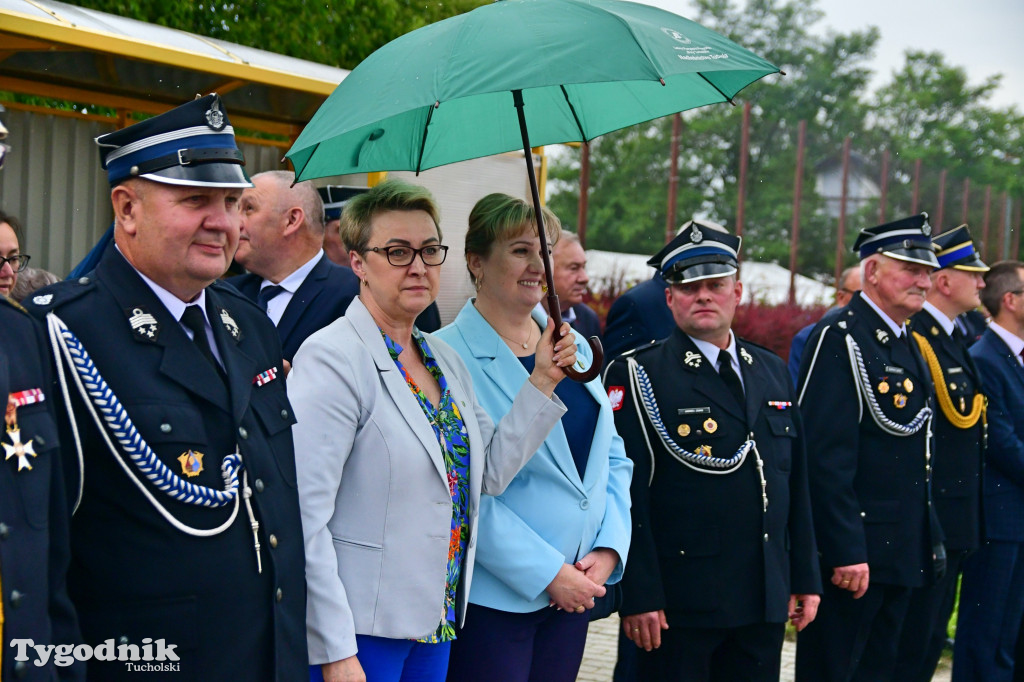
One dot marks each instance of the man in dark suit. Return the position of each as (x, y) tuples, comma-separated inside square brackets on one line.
[(188, 540), (570, 276), (992, 589), (846, 287), (957, 451), (639, 315), (723, 550), (281, 245), (864, 394)]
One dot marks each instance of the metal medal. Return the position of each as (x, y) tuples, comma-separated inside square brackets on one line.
[(710, 425), (191, 463)]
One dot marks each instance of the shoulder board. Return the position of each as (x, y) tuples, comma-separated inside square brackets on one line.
[(640, 348), (227, 289), (842, 322), (52, 297), (753, 344)]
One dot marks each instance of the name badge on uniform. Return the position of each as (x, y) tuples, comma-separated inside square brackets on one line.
[(693, 410)]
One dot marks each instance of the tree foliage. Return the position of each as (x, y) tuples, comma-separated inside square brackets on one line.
[(928, 111), (339, 33)]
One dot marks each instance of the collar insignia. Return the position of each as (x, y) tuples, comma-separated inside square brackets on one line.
[(43, 299), (230, 325), (144, 325), (841, 324), (935, 331), (747, 357), (882, 335), (692, 359)]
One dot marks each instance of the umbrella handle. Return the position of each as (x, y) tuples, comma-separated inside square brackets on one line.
[(597, 361)]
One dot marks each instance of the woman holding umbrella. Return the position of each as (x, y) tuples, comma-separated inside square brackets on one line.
[(561, 529), (394, 453)]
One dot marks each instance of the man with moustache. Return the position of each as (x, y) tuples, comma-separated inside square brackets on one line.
[(958, 450), (187, 536), (723, 549), (864, 394), (281, 245)]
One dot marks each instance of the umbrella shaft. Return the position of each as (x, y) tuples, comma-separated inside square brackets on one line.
[(554, 308)]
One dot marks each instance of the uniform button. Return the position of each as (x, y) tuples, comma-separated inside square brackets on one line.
[(787, 429), (15, 600), (123, 639), (40, 441), (5, 531), (682, 552), (279, 595), (284, 414), (243, 434), (766, 537), (273, 540), (83, 280), (258, 485), (165, 428), (584, 504), (863, 514), (20, 670)]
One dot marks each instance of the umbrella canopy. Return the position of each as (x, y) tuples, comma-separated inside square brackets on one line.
[(441, 94)]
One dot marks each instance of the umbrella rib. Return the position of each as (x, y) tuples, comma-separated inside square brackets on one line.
[(423, 142), (579, 126), (717, 89)]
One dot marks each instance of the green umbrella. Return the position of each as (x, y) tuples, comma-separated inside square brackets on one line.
[(518, 73)]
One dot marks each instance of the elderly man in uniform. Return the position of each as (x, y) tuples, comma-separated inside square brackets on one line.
[(864, 394), (958, 445), (187, 540), (281, 246), (34, 516), (723, 548)]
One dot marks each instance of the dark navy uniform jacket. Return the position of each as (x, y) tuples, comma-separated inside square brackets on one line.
[(704, 548), (870, 489), (34, 518), (957, 461), (637, 317), (322, 298), (133, 575)]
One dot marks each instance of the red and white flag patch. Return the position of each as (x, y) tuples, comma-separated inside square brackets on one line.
[(616, 394)]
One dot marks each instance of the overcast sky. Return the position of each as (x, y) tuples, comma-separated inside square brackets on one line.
[(983, 36)]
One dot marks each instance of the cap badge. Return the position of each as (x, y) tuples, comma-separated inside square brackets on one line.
[(43, 299), (882, 336), (683, 430), (692, 359), (926, 229), (230, 325), (746, 356), (710, 425), (143, 324), (696, 236), (214, 116), (191, 463)]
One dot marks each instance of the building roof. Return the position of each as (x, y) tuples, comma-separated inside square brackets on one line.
[(52, 49)]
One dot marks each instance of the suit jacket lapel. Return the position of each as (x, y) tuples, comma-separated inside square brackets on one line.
[(303, 298), (181, 361), (240, 367), (395, 384), (753, 391)]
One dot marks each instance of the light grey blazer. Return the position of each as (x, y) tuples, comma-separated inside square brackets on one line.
[(373, 488)]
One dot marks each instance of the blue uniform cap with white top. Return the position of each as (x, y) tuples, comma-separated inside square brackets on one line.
[(907, 239), (191, 145), (956, 251), (698, 251), (335, 197)]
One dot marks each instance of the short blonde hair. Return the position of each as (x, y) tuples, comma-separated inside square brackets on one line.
[(390, 195), (500, 217)]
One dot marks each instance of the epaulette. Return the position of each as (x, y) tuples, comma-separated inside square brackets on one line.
[(13, 304), (842, 321), (229, 290), (754, 344), (646, 346), (52, 297)]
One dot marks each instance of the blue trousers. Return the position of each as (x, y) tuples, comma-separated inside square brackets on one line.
[(397, 660)]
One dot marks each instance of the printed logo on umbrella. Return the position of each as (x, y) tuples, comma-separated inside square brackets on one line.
[(676, 35)]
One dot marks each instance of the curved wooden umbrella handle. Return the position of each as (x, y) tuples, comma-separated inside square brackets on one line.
[(595, 365)]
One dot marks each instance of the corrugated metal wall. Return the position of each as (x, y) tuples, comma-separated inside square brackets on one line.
[(53, 183)]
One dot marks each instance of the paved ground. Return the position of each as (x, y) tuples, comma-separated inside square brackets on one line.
[(599, 657)]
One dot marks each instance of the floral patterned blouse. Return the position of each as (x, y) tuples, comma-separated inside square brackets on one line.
[(454, 441)]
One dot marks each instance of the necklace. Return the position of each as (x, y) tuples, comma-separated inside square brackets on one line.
[(524, 344)]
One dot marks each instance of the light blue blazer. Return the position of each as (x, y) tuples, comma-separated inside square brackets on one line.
[(547, 516)]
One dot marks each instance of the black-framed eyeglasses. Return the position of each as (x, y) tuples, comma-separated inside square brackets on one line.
[(18, 263), (401, 256)]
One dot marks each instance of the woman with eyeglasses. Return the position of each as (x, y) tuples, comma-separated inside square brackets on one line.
[(11, 259), (393, 453)]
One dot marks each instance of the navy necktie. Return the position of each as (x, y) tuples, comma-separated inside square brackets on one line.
[(267, 293), (729, 376), (195, 320)]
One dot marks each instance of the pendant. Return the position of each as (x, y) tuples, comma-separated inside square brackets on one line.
[(883, 387), (683, 430), (18, 449), (710, 425), (908, 385), (899, 400)]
